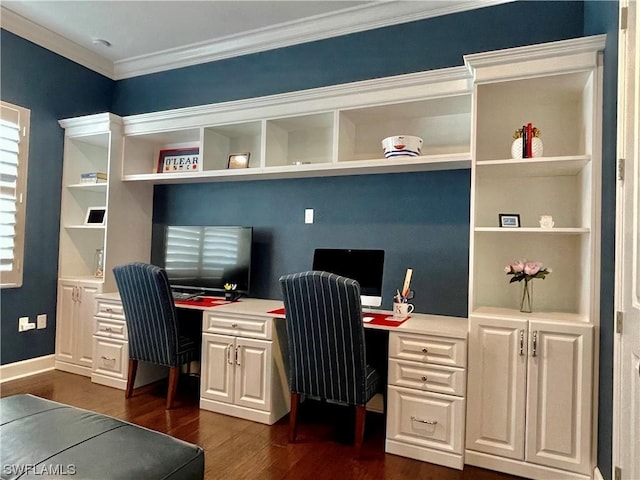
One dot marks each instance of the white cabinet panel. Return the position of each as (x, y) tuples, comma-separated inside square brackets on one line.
[(218, 359)]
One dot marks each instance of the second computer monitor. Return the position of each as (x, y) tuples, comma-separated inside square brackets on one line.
[(364, 266)]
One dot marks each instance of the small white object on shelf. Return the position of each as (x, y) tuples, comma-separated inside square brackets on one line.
[(402, 146), (546, 221)]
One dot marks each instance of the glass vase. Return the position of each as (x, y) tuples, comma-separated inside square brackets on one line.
[(526, 303)]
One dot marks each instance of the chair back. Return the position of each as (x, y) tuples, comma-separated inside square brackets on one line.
[(150, 313), (325, 336)]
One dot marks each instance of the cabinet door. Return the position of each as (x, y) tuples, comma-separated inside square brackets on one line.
[(559, 395), (497, 387), (253, 373), (216, 379), (85, 310), (65, 334)]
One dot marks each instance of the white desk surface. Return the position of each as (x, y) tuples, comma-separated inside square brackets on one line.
[(420, 323)]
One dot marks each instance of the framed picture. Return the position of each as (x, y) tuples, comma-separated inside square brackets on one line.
[(179, 160), (239, 160), (509, 220), (95, 216)]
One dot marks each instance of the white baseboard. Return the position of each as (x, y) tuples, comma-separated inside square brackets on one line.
[(13, 371), (597, 475)]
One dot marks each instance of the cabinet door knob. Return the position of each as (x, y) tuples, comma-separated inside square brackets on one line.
[(423, 378), (428, 422), (108, 359), (108, 310), (234, 325), (425, 350)]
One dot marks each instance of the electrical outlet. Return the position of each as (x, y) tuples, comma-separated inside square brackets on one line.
[(41, 321), (24, 325)]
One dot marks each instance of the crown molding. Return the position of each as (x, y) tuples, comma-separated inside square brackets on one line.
[(45, 38), (352, 20)]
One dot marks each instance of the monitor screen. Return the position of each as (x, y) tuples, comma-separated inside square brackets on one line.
[(207, 257), (364, 266)]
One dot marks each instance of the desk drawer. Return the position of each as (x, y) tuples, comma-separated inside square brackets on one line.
[(110, 328), (110, 357), (238, 325), (427, 377), (425, 419), (428, 349), (110, 309)]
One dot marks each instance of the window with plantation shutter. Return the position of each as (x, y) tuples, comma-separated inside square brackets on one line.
[(14, 151)]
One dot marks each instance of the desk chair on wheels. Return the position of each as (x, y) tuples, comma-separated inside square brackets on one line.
[(151, 323), (326, 343)]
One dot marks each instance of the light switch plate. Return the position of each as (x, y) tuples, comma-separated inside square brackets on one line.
[(41, 320)]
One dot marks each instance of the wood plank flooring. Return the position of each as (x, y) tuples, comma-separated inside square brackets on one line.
[(240, 449)]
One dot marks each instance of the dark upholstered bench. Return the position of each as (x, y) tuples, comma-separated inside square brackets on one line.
[(45, 439)]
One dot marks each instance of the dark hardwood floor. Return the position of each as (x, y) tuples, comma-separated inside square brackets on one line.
[(240, 449)]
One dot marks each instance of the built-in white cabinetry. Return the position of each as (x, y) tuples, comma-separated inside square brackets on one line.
[(531, 375), (530, 394), (93, 144), (326, 131), (243, 372), (426, 398), (74, 325)]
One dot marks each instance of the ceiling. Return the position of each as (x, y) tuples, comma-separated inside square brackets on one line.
[(154, 35)]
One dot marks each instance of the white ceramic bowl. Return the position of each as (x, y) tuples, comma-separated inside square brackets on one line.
[(402, 146)]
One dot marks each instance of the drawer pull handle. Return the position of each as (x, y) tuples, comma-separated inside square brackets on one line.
[(534, 353), (428, 422), (522, 343), (423, 378), (108, 310), (108, 329), (229, 347), (425, 350), (234, 325), (108, 359), (238, 354)]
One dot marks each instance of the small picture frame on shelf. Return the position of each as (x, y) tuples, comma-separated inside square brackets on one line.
[(509, 220), (95, 216), (239, 160), (179, 160)]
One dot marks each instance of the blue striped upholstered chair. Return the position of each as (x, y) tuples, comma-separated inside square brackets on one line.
[(151, 323), (326, 344)]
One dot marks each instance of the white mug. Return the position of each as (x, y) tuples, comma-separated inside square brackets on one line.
[(402, 310), (546, 221)]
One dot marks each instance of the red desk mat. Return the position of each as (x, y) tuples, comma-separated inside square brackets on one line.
[(380, 319), (203, 302)]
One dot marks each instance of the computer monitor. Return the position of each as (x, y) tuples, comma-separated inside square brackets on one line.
[(205, 258), (364, 266)]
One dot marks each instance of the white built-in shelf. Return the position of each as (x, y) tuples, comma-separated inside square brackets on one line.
[(533, 167), (544, 231), (94, 187), (376, 165), (83, 278), (497, 312), (84, 227)]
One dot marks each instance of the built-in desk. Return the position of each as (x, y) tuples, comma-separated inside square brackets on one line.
[(244, 365)]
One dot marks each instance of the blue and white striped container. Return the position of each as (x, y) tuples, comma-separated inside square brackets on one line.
[(402, 146)]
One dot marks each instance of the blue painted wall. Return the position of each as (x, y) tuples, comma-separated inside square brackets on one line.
[(52, 87), (421, 220), (411, 47)]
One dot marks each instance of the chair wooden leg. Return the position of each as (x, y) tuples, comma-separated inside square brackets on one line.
[(293, 416), (131, 379), (361, 414), (174, 373)]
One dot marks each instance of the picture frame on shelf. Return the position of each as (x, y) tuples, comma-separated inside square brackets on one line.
[(179, 160), (95, 216), (509, 220), (239, 160)]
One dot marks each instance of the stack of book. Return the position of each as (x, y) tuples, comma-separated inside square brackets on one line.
[(527, 139), (93, 177)]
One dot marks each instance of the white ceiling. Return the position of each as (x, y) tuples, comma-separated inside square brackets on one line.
[(155, 35)]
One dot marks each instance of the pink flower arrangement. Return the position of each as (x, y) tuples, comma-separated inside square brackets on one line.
[(525, 270)]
